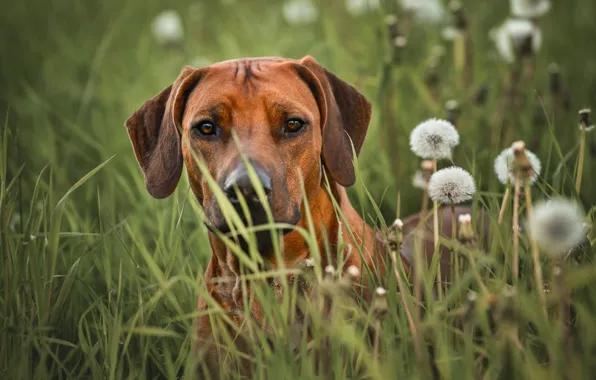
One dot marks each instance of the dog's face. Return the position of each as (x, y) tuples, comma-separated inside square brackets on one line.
[(286, 118)]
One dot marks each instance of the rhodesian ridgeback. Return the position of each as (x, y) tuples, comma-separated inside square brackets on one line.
[(296, 123)]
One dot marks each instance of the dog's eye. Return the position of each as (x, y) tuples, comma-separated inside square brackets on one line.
[(205, 128), (293, 125)]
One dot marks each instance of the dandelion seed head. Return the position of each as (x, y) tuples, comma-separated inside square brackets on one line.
[(557, 226), (297, 12), (511, 38), (504, 166), (167, 27), (530, 8), (434, 139), (425, 11), (359, 7), (419, 180), (451, 185)]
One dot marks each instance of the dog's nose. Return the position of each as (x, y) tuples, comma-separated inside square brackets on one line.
[(239, 182)]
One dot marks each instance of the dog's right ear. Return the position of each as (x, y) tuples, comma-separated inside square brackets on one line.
[(155, 133)]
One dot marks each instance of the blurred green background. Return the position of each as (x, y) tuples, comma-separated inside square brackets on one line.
[(71, 72)]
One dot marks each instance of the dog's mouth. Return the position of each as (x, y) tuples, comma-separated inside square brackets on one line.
[(260, 227)]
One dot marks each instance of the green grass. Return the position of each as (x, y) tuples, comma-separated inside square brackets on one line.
[(98, 280)]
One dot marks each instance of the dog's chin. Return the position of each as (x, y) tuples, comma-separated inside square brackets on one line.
[(264, 238)]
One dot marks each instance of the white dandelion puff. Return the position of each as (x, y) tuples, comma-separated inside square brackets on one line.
[(530, 8), (465, 218), (451, 185), (557, 226), (359, 7), (419, 180), (449, 33), (504, 166), (425, 11), (167, 27), (353, 271), (329, 270), (434, 139), (300, 12), (398, 224), (512, 37), (309, 263)]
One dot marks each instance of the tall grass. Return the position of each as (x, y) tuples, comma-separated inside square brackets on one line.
[(99, 281)]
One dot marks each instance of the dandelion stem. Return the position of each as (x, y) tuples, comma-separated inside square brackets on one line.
[(377, 340), (436, 239), (402, 293), (454, 239), (472, 261), (535, 253), (580, 164), (504, 205), (515, 264), (563, 297)]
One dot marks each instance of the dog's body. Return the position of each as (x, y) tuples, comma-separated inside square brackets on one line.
[(297, 124)]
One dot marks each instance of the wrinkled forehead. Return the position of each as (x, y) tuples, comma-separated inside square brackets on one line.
[(253, 82)]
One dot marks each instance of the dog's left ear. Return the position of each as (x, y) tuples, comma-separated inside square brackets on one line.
[(345, 115)]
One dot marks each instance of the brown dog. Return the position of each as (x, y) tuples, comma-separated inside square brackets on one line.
[(293, 119)]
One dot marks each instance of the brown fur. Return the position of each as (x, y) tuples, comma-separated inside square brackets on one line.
[(253, 98)]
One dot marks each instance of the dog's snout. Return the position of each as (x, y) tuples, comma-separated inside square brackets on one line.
[(239, 181)]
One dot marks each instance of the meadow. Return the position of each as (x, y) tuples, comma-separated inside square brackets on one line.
[(100, 281)]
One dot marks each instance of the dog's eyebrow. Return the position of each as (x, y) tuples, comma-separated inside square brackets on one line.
[(218, 112), (289, 108)]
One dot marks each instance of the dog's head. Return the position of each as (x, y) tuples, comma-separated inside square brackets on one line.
[(287, 117)]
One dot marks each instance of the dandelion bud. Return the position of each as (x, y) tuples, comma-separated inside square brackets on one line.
[(379, 305), (452, 108), (459, 17), (353, 272), (465, 230), (584, 117), (395, 235), (470, 306), (329, 271), (481, 95), (347, 281), (554, 76), (508, 310), (427, 165), (431, 77), (399, 43), (392, 26)]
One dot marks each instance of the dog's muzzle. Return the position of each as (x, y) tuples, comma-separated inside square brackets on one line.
[(238, 185)]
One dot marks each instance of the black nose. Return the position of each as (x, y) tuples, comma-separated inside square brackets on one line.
[(238, 181)]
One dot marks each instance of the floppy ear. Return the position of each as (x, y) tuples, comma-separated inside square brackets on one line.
[(345, 115), (154, 131)]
